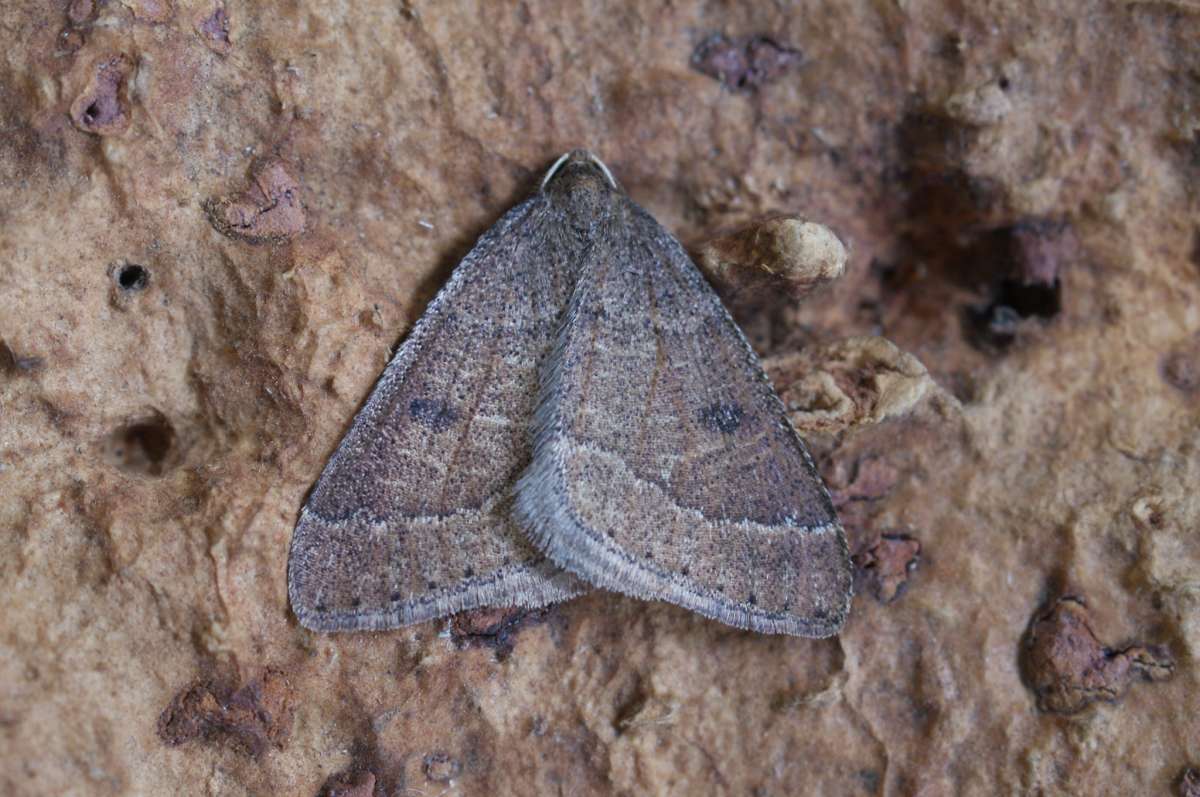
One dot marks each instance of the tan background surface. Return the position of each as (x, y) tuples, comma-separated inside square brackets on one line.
[(297, 179)]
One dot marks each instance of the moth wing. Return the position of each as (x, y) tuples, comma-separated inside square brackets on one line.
[(664, 463), (411, 518)]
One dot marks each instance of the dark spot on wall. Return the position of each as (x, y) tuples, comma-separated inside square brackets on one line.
[(869, 779), (1030, 256), (440, 767), (434, 414), (129, 282), (1031, 299), (249, 719), (495, 628), (469, 572), (350, 784), (145, 446), (70, 41), (1067, 667), (630, 703), (744, 63), (394, 597), (213, 29), (724, 417), (268, 211), (132, 277), (996, 325), (12, 363), (103, 108), (1189, 783), (1180, 368), (884, 565)]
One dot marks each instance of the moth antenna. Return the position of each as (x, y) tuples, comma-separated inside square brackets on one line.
[(578, 154)]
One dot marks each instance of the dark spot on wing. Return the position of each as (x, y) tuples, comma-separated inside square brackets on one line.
[(437, 415), (724, 417)]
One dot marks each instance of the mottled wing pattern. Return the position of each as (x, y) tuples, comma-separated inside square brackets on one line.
[(411, 518), (664, 464)]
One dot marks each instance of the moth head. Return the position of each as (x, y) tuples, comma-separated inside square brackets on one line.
[(582, 185)]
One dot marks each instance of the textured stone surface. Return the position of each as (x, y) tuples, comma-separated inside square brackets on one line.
[(1016, 191)]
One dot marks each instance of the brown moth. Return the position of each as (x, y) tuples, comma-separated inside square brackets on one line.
[(659, 462)]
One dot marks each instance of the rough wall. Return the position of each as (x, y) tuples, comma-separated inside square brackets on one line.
[(217, 218)]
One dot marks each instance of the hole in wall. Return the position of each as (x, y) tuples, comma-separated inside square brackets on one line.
[(145, 446), (132, 277)]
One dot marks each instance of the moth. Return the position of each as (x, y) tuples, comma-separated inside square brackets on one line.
[(575, 409)]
